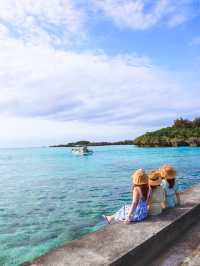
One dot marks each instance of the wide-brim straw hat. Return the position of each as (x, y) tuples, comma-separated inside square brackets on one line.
[(167, 172), (154, 178), (140, 177)]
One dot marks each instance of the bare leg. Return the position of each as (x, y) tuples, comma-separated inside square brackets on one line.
[(108, 218)]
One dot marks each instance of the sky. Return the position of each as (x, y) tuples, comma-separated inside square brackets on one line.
[(100, 70)]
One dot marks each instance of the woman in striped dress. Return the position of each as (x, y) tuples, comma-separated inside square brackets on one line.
[(137, 210)]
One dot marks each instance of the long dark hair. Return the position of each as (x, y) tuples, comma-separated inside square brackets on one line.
[(144, 189), (171, 182)]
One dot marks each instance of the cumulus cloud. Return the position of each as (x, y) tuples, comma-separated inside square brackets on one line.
[(31, 131), (45, 83), (53, 22), (36, 81), (144, 14), (50, 94)]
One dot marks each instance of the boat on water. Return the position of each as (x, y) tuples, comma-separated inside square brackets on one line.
[(81, 150)]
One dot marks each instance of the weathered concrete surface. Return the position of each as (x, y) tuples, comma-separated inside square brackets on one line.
[(134, 244), (185, 251), (194, 259)]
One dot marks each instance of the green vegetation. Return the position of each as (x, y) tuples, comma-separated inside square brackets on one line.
[(183, 132), (88, 143)]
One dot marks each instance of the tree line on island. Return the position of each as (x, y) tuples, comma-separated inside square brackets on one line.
[(88, 143), (183, 132)]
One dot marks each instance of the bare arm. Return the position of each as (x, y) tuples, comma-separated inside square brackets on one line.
[(163, 204)]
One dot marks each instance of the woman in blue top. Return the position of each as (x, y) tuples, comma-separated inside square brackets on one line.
[(137, 211), (170, 186)]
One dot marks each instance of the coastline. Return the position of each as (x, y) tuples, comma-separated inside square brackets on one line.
[(62, 179), (181, 133), (150, 237), (92, 144)]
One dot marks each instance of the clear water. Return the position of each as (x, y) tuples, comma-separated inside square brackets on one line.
[(49, 197)]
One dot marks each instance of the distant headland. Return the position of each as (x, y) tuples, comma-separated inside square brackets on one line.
[(183, 132), (88, 143)]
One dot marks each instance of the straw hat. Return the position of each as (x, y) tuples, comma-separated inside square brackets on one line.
[(140, 177), (154, 178), (167, 172)]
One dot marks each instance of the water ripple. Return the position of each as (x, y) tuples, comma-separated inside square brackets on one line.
[(49, 197)]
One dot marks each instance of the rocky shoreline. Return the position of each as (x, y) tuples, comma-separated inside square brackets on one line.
[(192, 142)]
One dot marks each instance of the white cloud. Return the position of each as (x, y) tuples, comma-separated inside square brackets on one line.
[(50, 95), (83, 95), (52, 22), (3, 32), (37, 81), (195, 41), (29, 131), (177, 19), (143, 14)]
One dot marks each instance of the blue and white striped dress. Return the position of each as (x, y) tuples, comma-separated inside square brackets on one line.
[(139, 214)]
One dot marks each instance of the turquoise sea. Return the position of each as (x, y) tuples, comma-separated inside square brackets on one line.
[(49, 196)]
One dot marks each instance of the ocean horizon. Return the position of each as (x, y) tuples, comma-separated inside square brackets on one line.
[(49, 197)]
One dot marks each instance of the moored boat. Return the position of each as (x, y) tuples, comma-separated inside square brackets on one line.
[(81, 150)]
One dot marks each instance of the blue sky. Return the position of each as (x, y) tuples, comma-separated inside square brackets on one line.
[(96, 69)]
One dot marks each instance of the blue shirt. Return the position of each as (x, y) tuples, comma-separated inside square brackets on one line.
[(170, 193)]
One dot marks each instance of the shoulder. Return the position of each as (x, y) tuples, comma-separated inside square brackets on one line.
[(136, 190)]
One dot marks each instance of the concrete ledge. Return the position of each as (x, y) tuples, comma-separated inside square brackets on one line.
[(120, 244)]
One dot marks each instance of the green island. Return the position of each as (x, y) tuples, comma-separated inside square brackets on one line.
[(88, 143), (183, 132)]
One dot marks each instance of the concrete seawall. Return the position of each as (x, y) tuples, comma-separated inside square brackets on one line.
[(135, 244)]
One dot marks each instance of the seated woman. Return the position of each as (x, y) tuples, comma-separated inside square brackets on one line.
[(156, 199), (138, 210), (170, 186)]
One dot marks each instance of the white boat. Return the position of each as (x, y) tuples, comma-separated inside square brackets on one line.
[(81, 150)]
